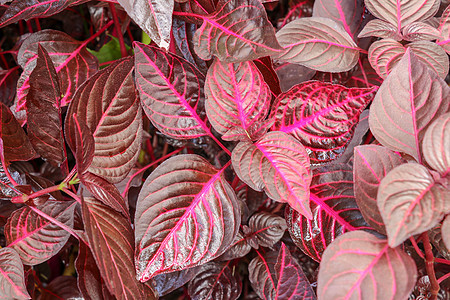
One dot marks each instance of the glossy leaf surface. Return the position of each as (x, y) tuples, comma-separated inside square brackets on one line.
[(62, 287), (322, 116), (408, 101), (277, 164), (168, 282), (357, 265), (436, 144), (84, 143), (266, 229), (186, 215), (12, 281), (238, 31)]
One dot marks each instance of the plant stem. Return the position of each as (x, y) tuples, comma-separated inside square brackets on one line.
[(440, 280), (123, 49), (416, 247), (429, 265), (72, 194)]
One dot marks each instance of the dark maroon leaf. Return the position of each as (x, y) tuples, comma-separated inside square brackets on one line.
[(84, 144), (15, 143), (371, 165), (266, 229), (239, 248), (334, 211), (12, 280), (168, 282), (109, 105), (411, 202), (38, 183), (8, 82), (277, 164), (237, 100), (265, 66), (186, 215), (277, 275), (408, 101), (43, 110), (238, 31), (35, 238), (298, 9), (436, 145), (62, 287), (292, 74), (196, 7), (357, 265), (322, 116), (111, 239)]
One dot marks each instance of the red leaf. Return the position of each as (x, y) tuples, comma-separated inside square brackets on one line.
[(35, 238), (84, 144), (109, 105), (408, 101), (371, 164), (322, 116), (411, 202), (237, 100), (43, 110), (12, 278), (62, 287), (436, 145), (265, 66), (8, 82), (238, 31), (277, 164), (334, 211), (186, 215), (357, 265)]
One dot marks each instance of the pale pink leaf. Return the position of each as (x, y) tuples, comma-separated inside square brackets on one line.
[(445, 229), (381, 29), (358, 265), (12, 280), (444, 30), (432, 55), (420, 31), (436, 145)]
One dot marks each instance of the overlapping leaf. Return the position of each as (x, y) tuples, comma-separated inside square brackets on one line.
[(237, 100), (12, 281), (35, 238), (239, 248), (409, 100), (266, 67), (445, 229), (8, 81), (371, 164), (186, 215), (292, 74), (432, 55), (381, 29), (357, 265), (238, 31), (62, 287), (266, 229), (411, 202), (322, 116), (318, 43), (436, 145), (444, 29), (277, 275), (154, 17), (168, 282), (43, 110), (277, 164), (84, 144), (109, 105), (420, 31), (334, 211)]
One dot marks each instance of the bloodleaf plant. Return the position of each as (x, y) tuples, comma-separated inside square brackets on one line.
[(224, 149)]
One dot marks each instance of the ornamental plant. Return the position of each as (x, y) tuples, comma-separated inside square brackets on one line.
[(224, 149)]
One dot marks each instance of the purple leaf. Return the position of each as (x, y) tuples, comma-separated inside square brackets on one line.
[(237, 100), (43, 110), (168, 282), (154, 17), (186, 215), (436, 145), (381, 29), (62, 287), (357, 265), (35, 238), (277, 275), (411, 202), (408, 101), (215, 281), (334, 211), (238, 31), (12, 280), (109, 105), (111, 239), (266, 229), (445, 229), (277, 164), (318, 43), (322, 116), (371, 165), (8, 82)]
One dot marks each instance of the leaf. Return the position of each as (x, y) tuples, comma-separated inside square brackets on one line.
[(267, 229), (334, 211), (436, 144), (381, 29), (420, 31), (73, 63), (186, 215), (237, 100), (445, 229), (409, 100), (277, 275), (265, 66), (432, 55), (154, 17), (411, 202), (171, 93), (238, 31), (15, 143), (402, 13), (215, 281), (239, 248), (318, 43), (111, 239), (43, 110), (168, 282), (277, 164), (6, 187), (109, 105), (292, 74), (8, 82), (12, 278), (84, 143), (371, 164), (359, 265), (322, 116), (35, 238), (62, 287), (109, 52), (444, 30)]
